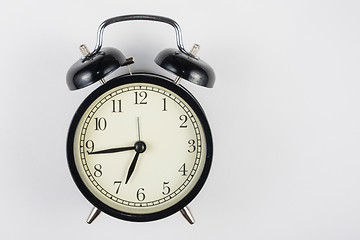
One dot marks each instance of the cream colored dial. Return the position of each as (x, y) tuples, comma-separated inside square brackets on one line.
[(139, 148)]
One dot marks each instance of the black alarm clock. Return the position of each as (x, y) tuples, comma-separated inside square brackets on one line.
[(139, 147)]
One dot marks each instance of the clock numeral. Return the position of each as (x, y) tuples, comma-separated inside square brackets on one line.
[(184, 119), (165, 105), (90, 145), (183, 170), (97, 172), (140, 97), (118, 183), (140, 195), (100, 124), (166, 189), (192, 147), (116, 106)]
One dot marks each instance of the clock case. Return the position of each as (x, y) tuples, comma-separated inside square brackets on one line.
[(160, 81), (95, 65)]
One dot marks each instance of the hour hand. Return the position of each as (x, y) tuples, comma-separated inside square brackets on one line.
[(112, 150), (140, 147)]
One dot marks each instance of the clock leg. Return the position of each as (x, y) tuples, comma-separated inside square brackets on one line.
[(93, 214), (187, 215)]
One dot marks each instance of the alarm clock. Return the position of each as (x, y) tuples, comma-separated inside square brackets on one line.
[(139, 147)]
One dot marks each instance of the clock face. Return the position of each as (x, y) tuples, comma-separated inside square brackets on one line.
[(139, 147)]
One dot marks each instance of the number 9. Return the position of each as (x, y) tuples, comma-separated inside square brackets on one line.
[(90, 145)]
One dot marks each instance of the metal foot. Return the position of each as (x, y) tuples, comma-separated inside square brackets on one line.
[(187, 215), (93, 214)]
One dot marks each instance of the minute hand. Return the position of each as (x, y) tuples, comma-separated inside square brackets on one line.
[(113, 150)]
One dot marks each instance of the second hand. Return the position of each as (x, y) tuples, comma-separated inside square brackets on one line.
[(138, 127)]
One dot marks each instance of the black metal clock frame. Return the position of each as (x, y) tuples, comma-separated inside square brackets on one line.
[(140, 78)]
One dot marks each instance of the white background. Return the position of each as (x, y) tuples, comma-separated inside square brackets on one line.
[(284, 114)]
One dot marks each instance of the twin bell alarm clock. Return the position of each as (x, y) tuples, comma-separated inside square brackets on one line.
[(139, 147)]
